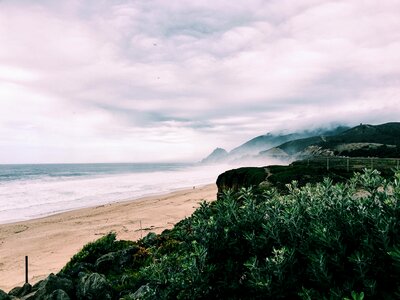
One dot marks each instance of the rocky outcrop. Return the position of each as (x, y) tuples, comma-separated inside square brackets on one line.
[(139, 294), (94, 287), (52, 284), (115, 261), (21, 291), (241, 177), (58, 295)]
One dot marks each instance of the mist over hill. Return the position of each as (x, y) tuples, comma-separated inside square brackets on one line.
[(364, 140), (249, 151)]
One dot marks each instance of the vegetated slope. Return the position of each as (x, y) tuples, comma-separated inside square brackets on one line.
[(303, 171), (320, 241), (363, 140)]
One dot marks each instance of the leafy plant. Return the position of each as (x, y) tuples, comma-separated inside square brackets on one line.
[(322, 240)]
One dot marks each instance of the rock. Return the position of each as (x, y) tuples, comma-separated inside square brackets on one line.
[(30, 296), (51, 284), (4, 295), (74, 271), (93, 286), (140, 293), (58, 295), (21, 291), (115, 261), (36, 286)]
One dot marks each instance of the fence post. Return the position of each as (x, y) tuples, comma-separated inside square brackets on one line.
[(327, 163), (26, 269), (372, 162)]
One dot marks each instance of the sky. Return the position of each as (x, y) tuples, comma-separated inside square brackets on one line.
[(157, 80)]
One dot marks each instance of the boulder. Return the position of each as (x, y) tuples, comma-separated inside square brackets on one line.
[(4, 295), (21, 291), (51, 284), (58, 295), (77, 268), (140, 293), (93, 286), (115, 261), (30, 296)]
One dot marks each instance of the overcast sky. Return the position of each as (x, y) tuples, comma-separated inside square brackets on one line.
[(156, 80)]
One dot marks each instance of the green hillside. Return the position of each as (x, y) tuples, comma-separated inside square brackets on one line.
[(363, 140)]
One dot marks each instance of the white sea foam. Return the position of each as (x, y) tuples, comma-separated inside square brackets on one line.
[(33, 198)]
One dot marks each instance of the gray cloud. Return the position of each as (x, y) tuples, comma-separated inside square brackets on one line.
[(122, 77)]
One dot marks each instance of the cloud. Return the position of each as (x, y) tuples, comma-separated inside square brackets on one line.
[(134, 80)]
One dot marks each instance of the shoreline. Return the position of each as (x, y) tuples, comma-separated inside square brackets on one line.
[(51, 241), (62, 211)]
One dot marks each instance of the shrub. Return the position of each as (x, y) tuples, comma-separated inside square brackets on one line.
[(320, 241), (92, 251)]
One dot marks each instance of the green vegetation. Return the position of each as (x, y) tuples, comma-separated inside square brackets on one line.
[(319, 241), (381, 151), (241, 177), (314, 170), (92, 251), (388, 135)]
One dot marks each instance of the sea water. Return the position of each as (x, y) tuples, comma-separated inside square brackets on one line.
[(33, 191)]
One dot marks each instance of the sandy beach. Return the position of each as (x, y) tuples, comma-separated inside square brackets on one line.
[(51, 241)]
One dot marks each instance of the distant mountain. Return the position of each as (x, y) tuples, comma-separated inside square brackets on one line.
[(263, 142), (363, 140), (250, 150), (217, 155)]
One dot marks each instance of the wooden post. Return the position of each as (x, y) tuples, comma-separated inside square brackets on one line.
[(348, 167), (327, 163), (372, 162), (26, 269)]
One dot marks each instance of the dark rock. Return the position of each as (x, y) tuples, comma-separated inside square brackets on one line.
[(140, 293), (115, 261), (52, 283), (36, 286), (93, 286), (30, 296), (4, 295), (242, 177), (74, 271), (21, 291), (58, 295)]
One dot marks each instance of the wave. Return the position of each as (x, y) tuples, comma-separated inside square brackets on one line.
[(29, 198)]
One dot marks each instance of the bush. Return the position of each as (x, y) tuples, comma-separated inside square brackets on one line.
[(320, 241), (92, 251)]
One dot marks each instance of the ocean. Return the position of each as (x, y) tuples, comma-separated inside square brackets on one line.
[(33, 191)]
